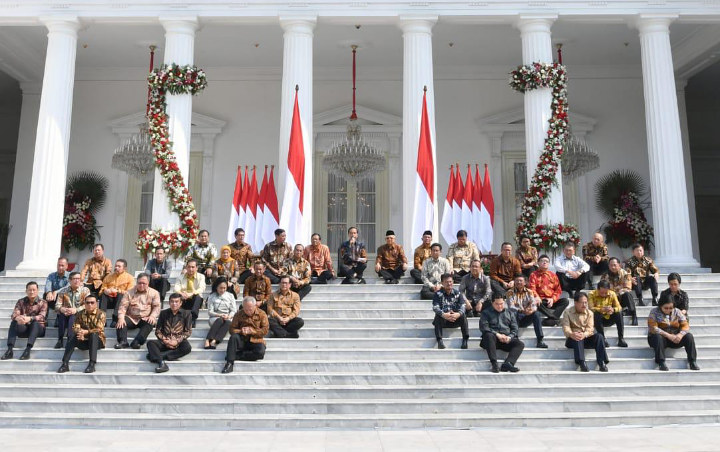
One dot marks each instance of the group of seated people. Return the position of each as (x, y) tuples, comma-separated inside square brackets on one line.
[(520, 290)]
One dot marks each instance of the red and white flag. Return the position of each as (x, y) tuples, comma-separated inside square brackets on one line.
[(260, 214), (446, 226), (242, 213), (424, 206), (487, 214), (466, 212), (235, 206), (476, 203), (291, 218), (270, 216), (458, 192), (251, 214)]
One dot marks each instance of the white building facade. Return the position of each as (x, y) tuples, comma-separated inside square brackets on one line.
[(81, 67)]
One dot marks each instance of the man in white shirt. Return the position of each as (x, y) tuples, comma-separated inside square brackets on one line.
[(571, 270), (432, 270)]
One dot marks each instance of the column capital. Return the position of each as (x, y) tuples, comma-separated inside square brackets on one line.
[(680, 85), (528, 23), (654, 23), (65, 24), (417, 23), (180, 24), (298, 23), (31, 88)]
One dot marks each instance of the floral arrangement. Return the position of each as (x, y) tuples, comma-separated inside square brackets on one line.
[(85, 194), (172, 79), (629, 224), (524, 79)]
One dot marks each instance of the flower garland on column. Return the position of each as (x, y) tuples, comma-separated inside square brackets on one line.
[(527, 78), (172, 79)]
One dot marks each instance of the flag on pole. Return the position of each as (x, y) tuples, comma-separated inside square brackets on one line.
[(446, 226), (291, 218), (251, 223), (270, 216), (476, 203), (242, 214), (424, 207), (261, 211), (487, 213), (458, 192), (235, 206), (466, 214)]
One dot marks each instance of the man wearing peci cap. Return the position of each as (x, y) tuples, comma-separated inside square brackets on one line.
[(422, 252), (391, 262)]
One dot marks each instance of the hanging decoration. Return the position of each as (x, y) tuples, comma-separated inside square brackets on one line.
[(524, 79), (172, 79)]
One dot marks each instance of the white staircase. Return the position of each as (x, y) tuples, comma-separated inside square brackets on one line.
[(367, 359)]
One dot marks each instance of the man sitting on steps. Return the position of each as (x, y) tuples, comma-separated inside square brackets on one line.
[(27, 320), (174, 327), (391, 262), (258, 286), (247, 340), (140, 309), (432, 270), (500, 330), (578, 325), (461, 254), (547, 285), (421, 253), (449, 309), (88, 334), (114, 287), (283, 309), (476, 290), (606, 307), (524, 303), (191, 287)]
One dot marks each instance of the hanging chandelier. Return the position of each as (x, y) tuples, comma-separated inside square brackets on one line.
[(353, 158), (577, 158), (135, 156)]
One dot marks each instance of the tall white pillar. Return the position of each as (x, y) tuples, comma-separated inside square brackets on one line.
[(298, 70), (673, 241), (417, 73), (179, 49), (537, 48), (43, 231), (682, 108)]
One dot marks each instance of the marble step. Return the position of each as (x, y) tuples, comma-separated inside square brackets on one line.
[(358, 421)]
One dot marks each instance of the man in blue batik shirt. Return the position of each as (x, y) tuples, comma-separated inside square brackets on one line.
[(449, 308)]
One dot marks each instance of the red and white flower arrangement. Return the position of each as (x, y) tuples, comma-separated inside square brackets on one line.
[(524, 79), (79, 224), (172, 79)]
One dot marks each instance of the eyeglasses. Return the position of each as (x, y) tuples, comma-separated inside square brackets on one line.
[(91, 302)]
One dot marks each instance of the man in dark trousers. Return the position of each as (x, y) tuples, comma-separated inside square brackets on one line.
[(174, 327), (499, 329)]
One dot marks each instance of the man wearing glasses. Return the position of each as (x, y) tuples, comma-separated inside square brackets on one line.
[(89, 334)]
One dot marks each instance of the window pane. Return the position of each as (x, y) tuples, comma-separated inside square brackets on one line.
[(366, 185), (365, 208), (336, 234), (337, 208), (366, 232), (336, 184)]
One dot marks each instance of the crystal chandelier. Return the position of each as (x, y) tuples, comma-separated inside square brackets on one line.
[(353, 158), (578, 158), (135, 156)]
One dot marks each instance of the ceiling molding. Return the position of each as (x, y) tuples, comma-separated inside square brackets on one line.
[(201, 124), (698, 50), (326, 118)]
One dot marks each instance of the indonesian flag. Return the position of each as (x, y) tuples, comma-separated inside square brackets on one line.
[(261, 211), (291, 218), (487, 214), (242, 213), (250, 221), (458, 192), (424, 207), (466, 209), (270, 216), (476, 206), (235, 206), (446, 226)]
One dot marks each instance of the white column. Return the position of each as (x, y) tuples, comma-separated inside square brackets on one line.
[(682, 107), (537, 48), (417, 73), (298, 70), (179, 49), (673, 241), (47, 189)]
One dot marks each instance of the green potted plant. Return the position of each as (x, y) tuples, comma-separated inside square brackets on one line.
[(85, 194)]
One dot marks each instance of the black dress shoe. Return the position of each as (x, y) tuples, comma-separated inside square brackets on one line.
[(58, 344), (494, 368), (162, 367), (622, 343), (654, 301), (361, 281), (464, 344), (634, 321), (507, 367), (64, 368), (541, 344), (7, 355), (90, 368), (394, 281), (441, 344), (602, 367), (693, 365), (662, 366), (228, 368), (25, 355), (135, 345), (121, 345), (641, 303), (584, 367)]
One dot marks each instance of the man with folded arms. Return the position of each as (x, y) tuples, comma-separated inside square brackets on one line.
[(69, 301), (421, 253), (524, 302), (299, 271), (607, 309), (174, 327), (449, 311), (88, 334), (578, 325), (258, 286), (391, 262), (547, 285), (283, 309), (114, 287), (475, 290), (500, 330), (503, 270), (571, 270), (248, 330), (432, 270), (139, 310), (27, 320), (320, 261), (596, 255), (191, 287), (461, 254)]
